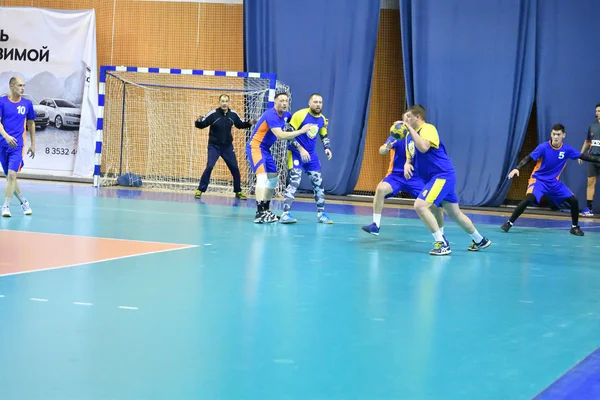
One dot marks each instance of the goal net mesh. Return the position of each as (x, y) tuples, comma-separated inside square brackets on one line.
[(149, 129)]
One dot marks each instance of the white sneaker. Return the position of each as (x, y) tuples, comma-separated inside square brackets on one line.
[(6, 211), (26, 208)]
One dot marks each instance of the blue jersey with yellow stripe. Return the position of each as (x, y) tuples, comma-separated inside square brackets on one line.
[(435, 162), (262, 136), (308, 139)]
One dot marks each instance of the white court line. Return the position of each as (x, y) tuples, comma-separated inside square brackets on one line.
[(128, 308), (1, 296), (97, 262), (37, 299), (184, 214), (77, 303), (97, 237)]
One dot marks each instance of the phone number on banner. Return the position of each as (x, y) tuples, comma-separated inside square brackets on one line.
[(59, 151)]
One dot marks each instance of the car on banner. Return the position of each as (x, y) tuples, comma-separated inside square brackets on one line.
[(62, 113), (41, 115)]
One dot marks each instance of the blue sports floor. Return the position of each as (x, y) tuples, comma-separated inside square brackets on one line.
[(195, 301)]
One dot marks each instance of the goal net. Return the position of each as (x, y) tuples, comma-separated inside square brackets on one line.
[(146, 126)]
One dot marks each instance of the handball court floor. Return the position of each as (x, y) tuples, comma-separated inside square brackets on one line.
[(137, 294)]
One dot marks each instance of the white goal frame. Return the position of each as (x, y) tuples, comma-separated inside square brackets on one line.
[(104, 70)]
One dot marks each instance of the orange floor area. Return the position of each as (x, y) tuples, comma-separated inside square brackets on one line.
[(22, 252)]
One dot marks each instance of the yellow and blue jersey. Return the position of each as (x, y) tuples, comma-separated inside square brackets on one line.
[(551, 161), (399, 153), (262, 136), (14, 116), (435, 162), (308, 139)]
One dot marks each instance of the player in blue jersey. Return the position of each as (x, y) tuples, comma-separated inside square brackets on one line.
[(434, 166), (267, 130), (551, 157), (16, 113), (302, 157), (395, 182)]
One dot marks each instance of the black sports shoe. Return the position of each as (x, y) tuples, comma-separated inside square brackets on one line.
[(576, 230), (259, 218), (507, 225)]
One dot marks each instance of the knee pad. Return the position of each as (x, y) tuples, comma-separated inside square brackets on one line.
[(261, 181), (272, 183)]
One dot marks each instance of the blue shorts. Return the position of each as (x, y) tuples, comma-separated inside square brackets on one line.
[(554, 190), (439, 189), (260, 159), (399, 183), (11, 158), (295, 161)]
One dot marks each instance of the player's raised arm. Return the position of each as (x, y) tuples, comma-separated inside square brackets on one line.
[(207, 120), (387, 146), (237, 121)]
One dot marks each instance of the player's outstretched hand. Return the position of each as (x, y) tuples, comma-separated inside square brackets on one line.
[(253, 121), (306, 128), (329, 154), (31, 152), (512, 173), (408, 170)]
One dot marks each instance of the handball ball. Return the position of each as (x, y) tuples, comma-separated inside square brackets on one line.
[(312, 132), (398, 131)]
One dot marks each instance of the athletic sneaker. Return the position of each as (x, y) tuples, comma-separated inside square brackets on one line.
[(440, 249), (586, 212), (373, 229), (6, 211), (259, 218), (198, 194), (286, 218), (485, 242), (506, 226), (576, 230), (26, 208), (323, 218), (241, 196)]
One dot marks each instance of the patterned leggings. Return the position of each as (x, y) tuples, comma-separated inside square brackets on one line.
[(295, 175)]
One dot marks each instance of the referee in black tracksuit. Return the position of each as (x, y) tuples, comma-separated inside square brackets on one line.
[(220, 143)]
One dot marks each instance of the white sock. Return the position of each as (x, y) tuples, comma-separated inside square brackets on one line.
[(437, 236), (442, 230), (20, 197), (377, 219), (477, 238), (6, 202)]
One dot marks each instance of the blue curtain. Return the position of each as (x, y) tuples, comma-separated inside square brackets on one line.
[(471, 63), (326, 47), (568, 77)]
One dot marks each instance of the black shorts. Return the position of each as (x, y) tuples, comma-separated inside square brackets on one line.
[(593, 169)]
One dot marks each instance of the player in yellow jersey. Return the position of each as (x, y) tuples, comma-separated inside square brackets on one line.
[(302, 157)]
